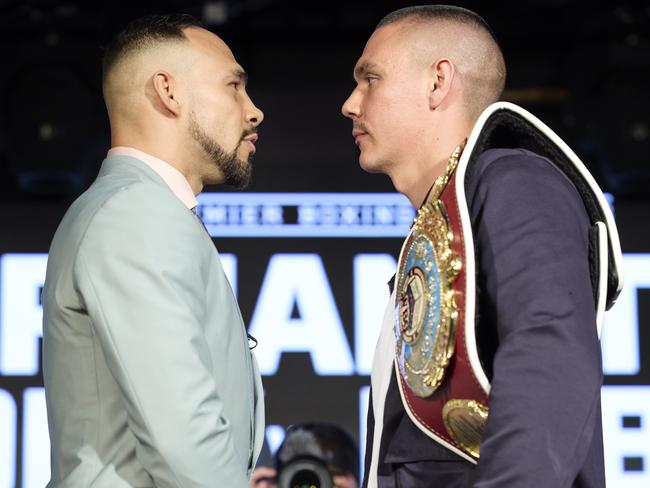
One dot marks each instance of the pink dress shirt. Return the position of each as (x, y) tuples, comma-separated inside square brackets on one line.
[(170, 175)]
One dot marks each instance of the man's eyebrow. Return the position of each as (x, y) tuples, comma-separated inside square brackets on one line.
[(362, 68), (241, 74)]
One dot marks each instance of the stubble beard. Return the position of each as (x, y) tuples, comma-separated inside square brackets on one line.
[(236, 171)]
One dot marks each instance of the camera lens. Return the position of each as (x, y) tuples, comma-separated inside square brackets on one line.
[(305, 473)]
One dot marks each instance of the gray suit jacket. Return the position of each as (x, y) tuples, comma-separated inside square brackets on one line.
[(148, 376)]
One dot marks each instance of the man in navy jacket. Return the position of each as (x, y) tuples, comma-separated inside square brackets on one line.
[(425, 76)]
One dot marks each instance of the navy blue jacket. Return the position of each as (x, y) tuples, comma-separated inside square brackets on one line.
[(537, 338)]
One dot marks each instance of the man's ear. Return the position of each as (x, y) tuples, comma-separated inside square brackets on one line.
[(165, 93), (442, 75)]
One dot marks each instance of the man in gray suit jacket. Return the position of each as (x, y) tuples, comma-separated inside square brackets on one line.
[(148, 374)]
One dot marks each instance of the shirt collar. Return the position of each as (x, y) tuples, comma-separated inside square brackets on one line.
[(170, 175)]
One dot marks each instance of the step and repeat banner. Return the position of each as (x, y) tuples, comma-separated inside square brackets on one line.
[(310, 272)]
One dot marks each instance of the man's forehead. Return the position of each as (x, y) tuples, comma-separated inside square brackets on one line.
[(393, 44), (209, 43), (386, 41), (381, 51), (213, 51)]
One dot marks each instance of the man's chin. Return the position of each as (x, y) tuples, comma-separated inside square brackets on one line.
[(369, 166), (242, 178)]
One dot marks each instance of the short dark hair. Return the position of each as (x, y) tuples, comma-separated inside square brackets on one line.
[(146, 30), (438, 12)]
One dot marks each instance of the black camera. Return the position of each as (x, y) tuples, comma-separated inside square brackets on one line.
[(312, 453)]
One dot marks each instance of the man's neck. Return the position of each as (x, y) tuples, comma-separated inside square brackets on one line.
[(161, 150), (417, 183), (416, 179), (423, 182)]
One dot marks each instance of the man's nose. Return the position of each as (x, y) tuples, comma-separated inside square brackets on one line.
[(254, 115), (351, 106)]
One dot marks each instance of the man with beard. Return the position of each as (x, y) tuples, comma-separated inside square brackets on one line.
[(148, 374), (487, 372)]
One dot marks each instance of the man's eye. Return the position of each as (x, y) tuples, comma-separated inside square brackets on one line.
[(370, 79), (235, 85)]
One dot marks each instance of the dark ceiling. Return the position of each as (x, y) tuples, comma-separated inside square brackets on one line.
[(583, 67)]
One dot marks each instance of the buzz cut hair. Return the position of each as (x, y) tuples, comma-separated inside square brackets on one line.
[(145, 32), (449, 13), (492, 64)]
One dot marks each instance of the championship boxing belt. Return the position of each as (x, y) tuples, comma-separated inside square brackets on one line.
[(443, 385)]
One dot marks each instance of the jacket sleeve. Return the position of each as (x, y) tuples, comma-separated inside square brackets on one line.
[(142, 277), (532, 248)]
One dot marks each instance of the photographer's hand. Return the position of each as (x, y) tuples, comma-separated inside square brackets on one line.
[(345, 481), (263, 477)]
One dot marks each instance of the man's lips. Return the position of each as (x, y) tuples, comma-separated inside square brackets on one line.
[(252, 139), (357, 135)]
